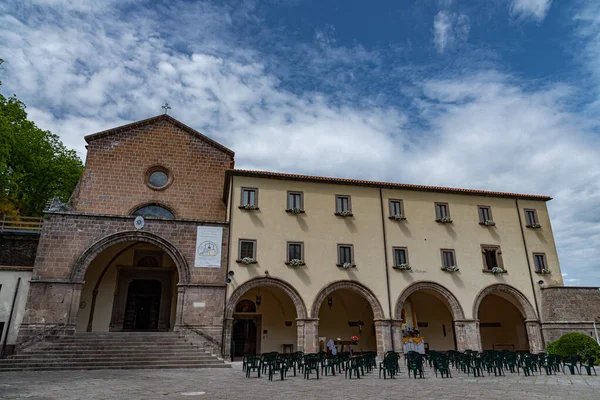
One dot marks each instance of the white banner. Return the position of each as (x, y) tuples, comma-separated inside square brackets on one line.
[(208, 247)]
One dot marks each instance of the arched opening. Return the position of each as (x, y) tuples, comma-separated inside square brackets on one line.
[(264, 320), (129, 286), (345, 314), (427, 312), (154, 210), (427, 316), (501, 323)]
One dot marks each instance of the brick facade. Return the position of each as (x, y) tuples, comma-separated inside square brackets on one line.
[(118, 160), (114, 183)]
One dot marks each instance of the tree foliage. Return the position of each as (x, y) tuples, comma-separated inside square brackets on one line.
[(34, 164)]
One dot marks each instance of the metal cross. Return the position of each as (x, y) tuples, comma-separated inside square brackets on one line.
[(166, 107)]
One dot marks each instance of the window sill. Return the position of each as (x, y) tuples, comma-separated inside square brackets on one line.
[(290, 211), (533, 227), (344, 215), (295, 265), (450, 270), (487, 225), (342, 265), (398, 268), (246, 263), (443, 222), (489, 271), (248, 209), (397, 219), (543, 273)]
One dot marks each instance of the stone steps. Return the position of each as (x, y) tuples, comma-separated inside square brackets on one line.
[(122, 350)]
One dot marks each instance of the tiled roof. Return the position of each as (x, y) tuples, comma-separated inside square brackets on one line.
[(162, 117), (388, 185)]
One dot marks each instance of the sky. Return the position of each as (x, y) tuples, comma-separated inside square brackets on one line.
[(499, 95)]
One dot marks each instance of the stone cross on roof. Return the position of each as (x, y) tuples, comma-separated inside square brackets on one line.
[(166, 107)]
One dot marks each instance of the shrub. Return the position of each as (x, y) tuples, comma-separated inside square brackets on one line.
[(575, 344)]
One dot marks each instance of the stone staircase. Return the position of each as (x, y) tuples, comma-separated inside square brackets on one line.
[(114, 350)]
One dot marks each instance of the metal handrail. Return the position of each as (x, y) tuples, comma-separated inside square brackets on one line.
[(203, 334), (21, 223)]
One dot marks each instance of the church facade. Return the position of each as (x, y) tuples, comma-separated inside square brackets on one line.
[(163, 234)]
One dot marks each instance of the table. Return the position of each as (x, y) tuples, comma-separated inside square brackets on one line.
[(413, 344)]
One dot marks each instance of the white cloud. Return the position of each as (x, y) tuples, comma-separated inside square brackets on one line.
[(530, 9), (83, 73), (450, 30)]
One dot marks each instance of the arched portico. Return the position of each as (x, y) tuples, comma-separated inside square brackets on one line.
[(266, 283), (439, 313), (504, 297), (365, 317)]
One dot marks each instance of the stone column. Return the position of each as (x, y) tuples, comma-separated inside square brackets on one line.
[(383, 335), (467, 335), (228, 327), (308, 335), (397, 335), (179, 317), (534, 333)]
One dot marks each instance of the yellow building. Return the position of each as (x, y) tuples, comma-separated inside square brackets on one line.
[(313, 259)]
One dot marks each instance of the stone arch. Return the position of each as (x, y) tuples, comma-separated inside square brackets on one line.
[(451, 300), (81, 265), (266, 281), (351, 285), (517, 298), (154, 203)]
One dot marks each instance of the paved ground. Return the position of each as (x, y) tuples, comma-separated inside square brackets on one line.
[(232, 384)]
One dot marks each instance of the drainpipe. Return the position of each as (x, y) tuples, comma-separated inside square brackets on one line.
[(12, 309), (387, 269), (537, 308), (227, 268)]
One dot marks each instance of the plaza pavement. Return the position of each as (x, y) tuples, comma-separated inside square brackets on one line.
[(232, 384)]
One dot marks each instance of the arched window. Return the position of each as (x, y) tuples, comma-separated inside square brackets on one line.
[(154, 210)]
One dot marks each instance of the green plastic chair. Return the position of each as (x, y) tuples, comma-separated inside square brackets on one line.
[(415, 364), (442, 364), (253, 364), (571, 363), (310, 363), (590, 365), (353, 367)]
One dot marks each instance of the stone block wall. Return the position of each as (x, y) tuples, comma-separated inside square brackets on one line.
[(569, 309), (18, 250)]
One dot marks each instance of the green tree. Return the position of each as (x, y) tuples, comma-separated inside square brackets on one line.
[(34, 164)]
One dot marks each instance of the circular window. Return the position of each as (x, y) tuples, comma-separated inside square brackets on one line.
[(158, 178)]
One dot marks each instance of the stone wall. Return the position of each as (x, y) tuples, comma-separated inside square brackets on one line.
[(18, 250), (569, 309), (70, 241)]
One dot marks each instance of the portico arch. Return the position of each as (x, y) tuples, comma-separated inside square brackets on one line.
[(448, 297), (350, 285), (280, 291), (81, 265)]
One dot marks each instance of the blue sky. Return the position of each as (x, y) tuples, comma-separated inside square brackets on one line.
[(499, 95)]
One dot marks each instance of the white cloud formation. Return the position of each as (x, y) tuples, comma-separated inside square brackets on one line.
[(530, 9), (84, 72), (450, 30)]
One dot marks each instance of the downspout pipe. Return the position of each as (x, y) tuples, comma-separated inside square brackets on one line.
[(537, 307), (10, 316), (387, 269)]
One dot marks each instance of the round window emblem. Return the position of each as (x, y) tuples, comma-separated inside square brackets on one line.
[(138, 222)]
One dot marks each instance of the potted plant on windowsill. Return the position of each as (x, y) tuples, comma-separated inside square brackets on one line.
[(295, 210), (402, 267), (498, 270), (346, 265), (249, 207), (544, 271), (488, 222), (398, 217), (295, 262), (451, 268), (445, 220), (535, 226), (247, 261), (345, 213)]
